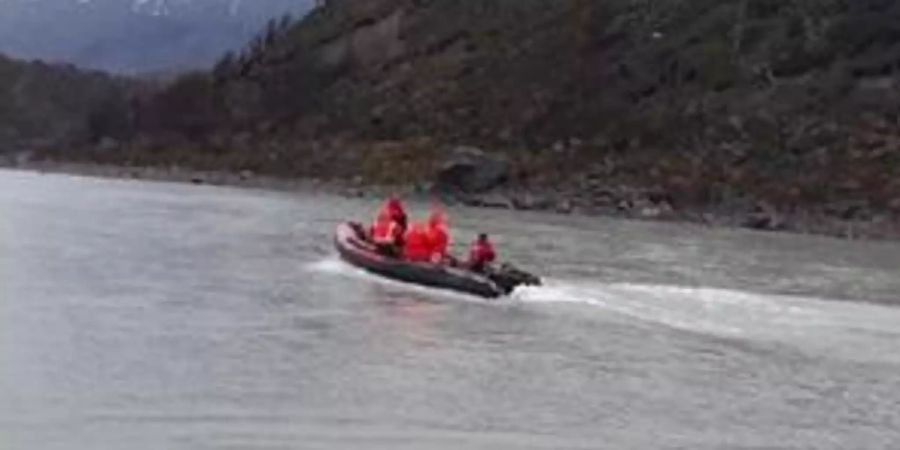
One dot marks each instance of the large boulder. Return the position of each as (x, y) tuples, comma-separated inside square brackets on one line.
[(469, 170)]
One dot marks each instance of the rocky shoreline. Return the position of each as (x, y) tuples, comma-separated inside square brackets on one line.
[(634, 204), (243, 179), (607, 201), (771, 131)]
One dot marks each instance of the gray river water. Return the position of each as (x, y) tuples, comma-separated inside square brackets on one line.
[(140, 315)]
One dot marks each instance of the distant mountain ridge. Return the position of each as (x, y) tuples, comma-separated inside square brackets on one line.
[(134, 36)]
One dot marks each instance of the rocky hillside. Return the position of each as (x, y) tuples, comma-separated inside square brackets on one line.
[(47, 106), (769, 105)]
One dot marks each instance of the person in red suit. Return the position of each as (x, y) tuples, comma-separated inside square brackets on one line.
[(481, 254)]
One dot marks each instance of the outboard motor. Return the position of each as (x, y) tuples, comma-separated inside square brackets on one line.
[(509, 277)]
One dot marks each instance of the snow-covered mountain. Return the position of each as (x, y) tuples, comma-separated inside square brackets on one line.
[(134, 35)]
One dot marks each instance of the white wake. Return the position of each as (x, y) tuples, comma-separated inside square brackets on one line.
[(858, 330)]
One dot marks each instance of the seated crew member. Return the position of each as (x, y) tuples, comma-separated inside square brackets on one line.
[(481, 254), (416, 246)]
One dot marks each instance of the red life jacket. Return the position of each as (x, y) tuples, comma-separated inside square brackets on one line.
[(384, 230), (437, 243), (438, 239), (415, 243), (390, 211), (481, 253)]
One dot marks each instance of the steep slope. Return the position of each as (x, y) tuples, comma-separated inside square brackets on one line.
[(789, 104), (44, 106)]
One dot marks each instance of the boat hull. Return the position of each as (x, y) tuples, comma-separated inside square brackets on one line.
[(354, 249)]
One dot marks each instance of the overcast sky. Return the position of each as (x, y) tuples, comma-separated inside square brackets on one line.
[(134, 35)]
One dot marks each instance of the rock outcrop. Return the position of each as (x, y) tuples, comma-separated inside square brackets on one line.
[(469, 170)]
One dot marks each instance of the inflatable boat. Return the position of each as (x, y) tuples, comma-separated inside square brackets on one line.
[(354, 247)]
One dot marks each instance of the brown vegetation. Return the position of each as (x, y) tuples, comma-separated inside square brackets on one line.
[(45, 105), (789, 104)]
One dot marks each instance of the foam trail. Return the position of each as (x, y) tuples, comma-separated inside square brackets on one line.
[(331, 266), (818, 323), (613, 298), (558, 292), (859, 331)]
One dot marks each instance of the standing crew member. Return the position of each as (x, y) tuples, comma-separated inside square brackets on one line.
[(392, 208), (395, 210), (438, 239), (386, 235)]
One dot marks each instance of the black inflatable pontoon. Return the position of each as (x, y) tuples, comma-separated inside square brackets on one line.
[(353, 247)]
